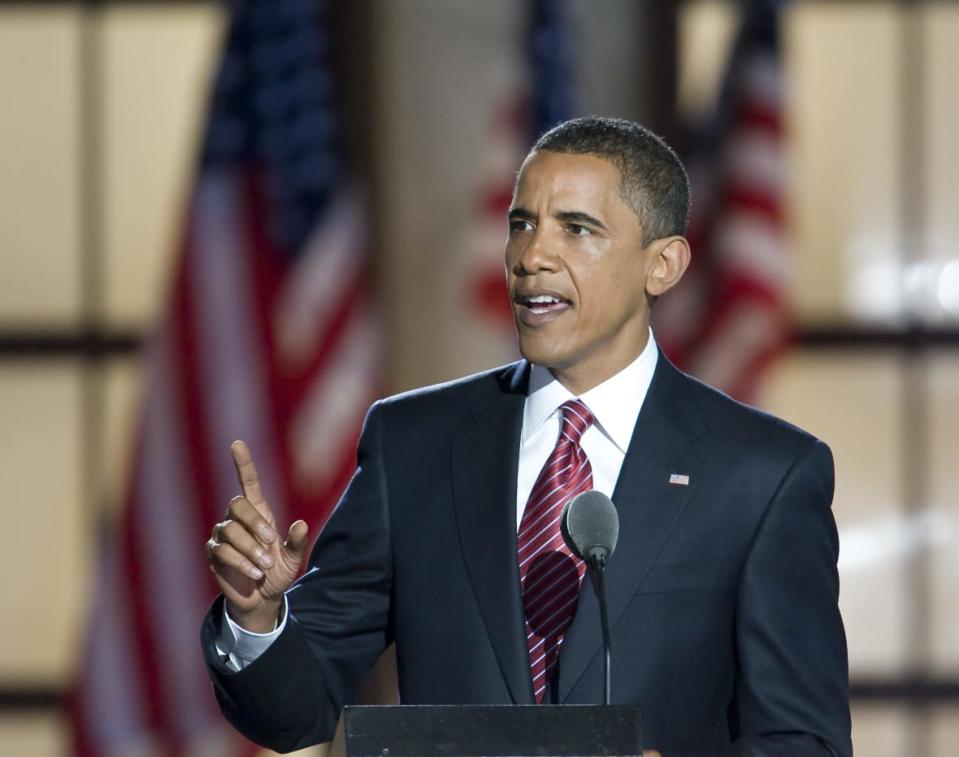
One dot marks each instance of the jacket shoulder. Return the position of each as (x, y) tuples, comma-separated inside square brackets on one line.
[(456, 396), (743, 424)]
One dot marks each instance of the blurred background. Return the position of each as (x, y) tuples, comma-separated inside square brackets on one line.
[(250, 220)]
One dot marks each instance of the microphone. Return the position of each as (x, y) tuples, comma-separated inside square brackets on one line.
[(592, 525), (591, 528)]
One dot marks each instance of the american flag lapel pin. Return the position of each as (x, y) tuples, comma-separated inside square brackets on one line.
[(679, 479)]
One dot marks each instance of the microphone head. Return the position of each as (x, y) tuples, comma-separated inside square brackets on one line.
[(591, 526)]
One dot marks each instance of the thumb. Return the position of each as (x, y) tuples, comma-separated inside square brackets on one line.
[(295, 542)]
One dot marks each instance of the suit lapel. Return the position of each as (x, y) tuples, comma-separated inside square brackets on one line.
[(484, 471), (649, 507)]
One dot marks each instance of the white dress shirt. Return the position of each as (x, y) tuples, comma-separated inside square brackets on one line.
[(615, 405)]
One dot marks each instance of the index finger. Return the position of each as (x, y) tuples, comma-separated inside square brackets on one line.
[(246, 472)]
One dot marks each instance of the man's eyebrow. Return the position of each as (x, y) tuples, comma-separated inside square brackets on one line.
[(566, 216), (519, 214), (577, 216)]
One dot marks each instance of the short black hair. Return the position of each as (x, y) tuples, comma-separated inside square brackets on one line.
[(653, 181)]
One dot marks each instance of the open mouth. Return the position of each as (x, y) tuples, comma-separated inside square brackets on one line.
[(542, 304)]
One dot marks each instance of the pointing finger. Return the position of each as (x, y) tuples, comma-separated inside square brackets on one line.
[(246, 472)]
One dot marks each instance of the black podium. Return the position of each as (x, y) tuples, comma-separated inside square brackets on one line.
[(491, 731)]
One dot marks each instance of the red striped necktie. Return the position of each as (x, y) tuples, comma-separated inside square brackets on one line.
[(550, 573)]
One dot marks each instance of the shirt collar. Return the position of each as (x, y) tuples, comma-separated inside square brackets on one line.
[(615, 403)]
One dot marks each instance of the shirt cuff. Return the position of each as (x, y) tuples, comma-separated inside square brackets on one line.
[(239, 647)]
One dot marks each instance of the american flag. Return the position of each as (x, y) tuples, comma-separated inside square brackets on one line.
[(268, 336), (525, 111), (729, 316)]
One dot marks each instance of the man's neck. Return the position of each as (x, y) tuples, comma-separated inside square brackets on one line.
[(580, 379)]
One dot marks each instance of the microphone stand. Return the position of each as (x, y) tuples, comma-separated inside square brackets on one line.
[(597, 565)]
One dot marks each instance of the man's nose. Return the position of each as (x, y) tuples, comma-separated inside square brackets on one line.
[(538, 255)]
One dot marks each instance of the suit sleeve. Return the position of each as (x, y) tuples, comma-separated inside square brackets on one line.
[(338, 625), (792, 694)]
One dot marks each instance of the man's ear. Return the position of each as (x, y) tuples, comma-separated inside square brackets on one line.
[(670, 258)]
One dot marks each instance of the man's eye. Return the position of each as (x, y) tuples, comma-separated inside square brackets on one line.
[(519, 225), (577, 230)]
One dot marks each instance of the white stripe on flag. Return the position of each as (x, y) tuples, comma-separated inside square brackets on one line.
[(333, 255), (752, 244), (747, 331), (755, 160), (231, 361), (166, 518), (335, 401), (112, 702)]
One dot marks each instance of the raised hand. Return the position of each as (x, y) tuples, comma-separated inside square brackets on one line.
[(251, 565)]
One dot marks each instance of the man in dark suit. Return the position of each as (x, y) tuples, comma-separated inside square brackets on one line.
[(722, 592)]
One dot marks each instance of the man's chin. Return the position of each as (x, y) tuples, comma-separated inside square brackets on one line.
[(538, 353)]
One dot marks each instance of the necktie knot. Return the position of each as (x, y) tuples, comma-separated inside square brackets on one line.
[(576, 419)]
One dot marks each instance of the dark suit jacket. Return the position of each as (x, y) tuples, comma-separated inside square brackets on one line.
[(722, 593)]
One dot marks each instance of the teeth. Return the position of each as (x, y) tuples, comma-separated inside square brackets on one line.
[(542, 299)]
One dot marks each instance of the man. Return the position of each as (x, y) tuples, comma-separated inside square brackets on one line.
[(722, 592)]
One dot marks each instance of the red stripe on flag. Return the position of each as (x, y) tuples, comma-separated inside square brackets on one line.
[(497, 199), (758, 116), (751, 199)]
